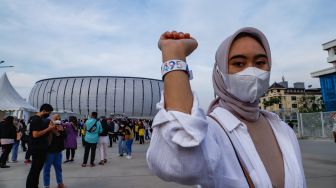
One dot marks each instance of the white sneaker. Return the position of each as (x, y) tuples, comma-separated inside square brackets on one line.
[(128, 157)]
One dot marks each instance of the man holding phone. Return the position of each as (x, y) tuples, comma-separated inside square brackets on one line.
[(39, 127)]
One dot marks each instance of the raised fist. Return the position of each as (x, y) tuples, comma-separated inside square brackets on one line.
[(177, 44)]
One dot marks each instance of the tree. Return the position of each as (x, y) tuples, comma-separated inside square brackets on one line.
[(309, 103), (271, 101)]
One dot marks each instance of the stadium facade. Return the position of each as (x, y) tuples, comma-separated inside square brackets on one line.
[(107, 95)]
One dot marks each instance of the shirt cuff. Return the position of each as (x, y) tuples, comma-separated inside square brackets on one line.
[(186, 130)]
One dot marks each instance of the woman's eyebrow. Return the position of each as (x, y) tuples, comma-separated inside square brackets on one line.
[(238, 56), (260, 55)]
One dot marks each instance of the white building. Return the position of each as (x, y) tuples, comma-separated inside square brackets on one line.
[(107, 95)]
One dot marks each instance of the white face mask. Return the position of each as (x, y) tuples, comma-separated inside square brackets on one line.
[(57, 122), (247, 85)]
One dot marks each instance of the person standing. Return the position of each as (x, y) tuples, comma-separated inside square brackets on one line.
[(80, 125), (136, 130), (110, 128), (15, 148), (70, 142), (82, 132), (146, 129), (54, 156), (7, 138), (129, 136), (29, 143), (28, 153), (24, 135), (92, 129), (40, 126), (116, 130), (142, 133), (103, 142), (121, 138)]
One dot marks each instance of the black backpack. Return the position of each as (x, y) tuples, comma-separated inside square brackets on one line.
[(93, 128)]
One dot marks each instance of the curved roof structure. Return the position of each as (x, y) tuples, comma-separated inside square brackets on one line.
[(107, 95), (10, 100)]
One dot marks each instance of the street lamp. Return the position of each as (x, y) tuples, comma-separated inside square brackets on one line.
[(1, 62)]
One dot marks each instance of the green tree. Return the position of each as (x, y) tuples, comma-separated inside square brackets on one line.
[(309, 103), (271, 101)]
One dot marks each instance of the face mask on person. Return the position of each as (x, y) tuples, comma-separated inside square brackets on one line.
[(247, 85), (57, 122)]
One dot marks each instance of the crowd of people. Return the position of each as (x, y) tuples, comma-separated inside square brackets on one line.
[(45, 136)]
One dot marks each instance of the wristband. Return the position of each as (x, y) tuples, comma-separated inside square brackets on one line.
[(173, 65)]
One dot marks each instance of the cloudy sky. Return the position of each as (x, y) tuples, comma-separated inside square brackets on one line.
[(45, 39)]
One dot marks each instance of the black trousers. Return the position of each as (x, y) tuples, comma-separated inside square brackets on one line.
[(115, 136), (142, 141), (6, 149), (28, 152), (88, 147), (39, 157), (24, 145), (83, 141), (111, 139), (68, 151)]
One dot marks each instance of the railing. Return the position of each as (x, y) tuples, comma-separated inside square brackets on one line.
[(318, 124)]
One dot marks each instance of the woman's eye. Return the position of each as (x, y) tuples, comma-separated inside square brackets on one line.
[(261, 63), (238, 64)]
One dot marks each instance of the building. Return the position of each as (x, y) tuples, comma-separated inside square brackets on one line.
[(107, 95), (285, 101), (328, 77)]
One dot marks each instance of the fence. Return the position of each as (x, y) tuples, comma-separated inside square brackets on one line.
[(318, 124)]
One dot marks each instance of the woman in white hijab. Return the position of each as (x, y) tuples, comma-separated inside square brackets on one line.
[(235, 144)]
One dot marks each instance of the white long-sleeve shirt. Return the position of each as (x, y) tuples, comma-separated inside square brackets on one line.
[(193, 149)]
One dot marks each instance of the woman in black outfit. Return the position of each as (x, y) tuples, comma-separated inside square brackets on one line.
[(7, 135), (24, 137)]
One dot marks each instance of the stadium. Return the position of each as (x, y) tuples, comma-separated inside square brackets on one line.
[(108, 95)]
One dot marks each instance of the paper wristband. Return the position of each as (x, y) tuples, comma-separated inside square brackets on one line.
[(173, 65)]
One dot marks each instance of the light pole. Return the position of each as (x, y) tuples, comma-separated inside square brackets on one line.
[(1, 62)]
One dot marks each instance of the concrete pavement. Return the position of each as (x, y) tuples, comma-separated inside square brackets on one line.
[(319, 158), (319, 162), (119, 172)]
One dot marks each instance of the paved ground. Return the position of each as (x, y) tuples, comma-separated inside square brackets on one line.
[(319, 163), (119, 172)]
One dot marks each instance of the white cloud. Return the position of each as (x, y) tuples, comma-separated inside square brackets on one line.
[(19, 79), (61, 38)]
